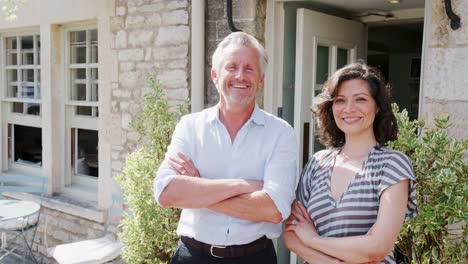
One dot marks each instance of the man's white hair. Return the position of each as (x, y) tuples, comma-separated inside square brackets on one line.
[(239, 39)]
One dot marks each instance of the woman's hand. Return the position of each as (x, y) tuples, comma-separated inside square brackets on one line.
[(301, 223), (183, 165)]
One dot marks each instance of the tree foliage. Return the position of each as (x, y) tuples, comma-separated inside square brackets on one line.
[(438, 234), (150, 232), (10, 7)]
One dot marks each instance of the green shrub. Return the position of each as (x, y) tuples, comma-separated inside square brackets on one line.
[(441, 173), (150, 231)]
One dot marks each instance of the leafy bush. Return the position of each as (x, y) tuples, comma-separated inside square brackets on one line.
[(442, 190), (150, 231)]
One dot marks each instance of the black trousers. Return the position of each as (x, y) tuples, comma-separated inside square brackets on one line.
[(186, 254)]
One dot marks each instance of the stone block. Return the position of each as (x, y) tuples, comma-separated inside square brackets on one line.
[(457, 111), (60, 235), (215, 10), (177, 64), (150, 8), (130, 79), (140, 38), (173, 35), (173, 79), (244, 9), (125, 120), (445, 74), (148, 53), (247, 26), (177, 94), (175, 4), (153, 20), (121, 11), (117, 23), (124, 67), (461, 9), (134, 136), (131, 55), (177, 17), (121, 39), (171, 52), (210, 32), (134, 21)]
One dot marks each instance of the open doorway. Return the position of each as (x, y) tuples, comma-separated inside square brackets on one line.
[(396, 49)]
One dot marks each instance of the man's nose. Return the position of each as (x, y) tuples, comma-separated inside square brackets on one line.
[(239, 74)]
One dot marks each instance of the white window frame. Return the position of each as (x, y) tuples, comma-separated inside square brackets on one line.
[(8, 115), (71, 119)]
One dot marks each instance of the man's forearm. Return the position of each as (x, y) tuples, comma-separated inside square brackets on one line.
[(195, 192), (256, 206)]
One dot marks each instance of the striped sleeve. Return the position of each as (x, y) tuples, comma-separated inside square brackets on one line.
[(398, 168), (303, 187)]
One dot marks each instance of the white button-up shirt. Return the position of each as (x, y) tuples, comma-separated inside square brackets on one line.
[(264, 149)]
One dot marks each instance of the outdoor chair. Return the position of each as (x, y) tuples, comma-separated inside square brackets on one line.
[(95, 251), (20, 225)]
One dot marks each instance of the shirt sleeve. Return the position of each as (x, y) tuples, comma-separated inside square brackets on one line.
[(280, 172), (179, 143), (398, 168)]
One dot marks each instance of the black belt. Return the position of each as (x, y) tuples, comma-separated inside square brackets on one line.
[(234, 251)]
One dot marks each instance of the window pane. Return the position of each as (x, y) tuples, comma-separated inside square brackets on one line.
[(78, 47), (94, 84), (83, 110), (33, 109), (94, 45), (322, 64), (78, 84), (38, 76), (87, 156), (27, 50), (28, 83), (28, 145), (38, 49), (12, 83), (11, 52), (342, 58), (17, 108)]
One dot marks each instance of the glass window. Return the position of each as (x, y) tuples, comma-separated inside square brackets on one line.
[(83, 70), (22, 73), (25, 144), (84, 147)]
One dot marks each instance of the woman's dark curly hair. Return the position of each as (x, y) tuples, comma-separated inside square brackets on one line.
[(385, 126)]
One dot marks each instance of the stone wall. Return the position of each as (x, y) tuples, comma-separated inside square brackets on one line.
[(150, 36), (445, 87), (248, 16)]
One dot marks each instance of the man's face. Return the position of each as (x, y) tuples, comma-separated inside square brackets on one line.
[(238, 77)]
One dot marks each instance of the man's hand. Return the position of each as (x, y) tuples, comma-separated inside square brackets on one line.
[(183, 165)]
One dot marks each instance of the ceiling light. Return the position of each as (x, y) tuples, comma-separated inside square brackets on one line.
[(393, 1)]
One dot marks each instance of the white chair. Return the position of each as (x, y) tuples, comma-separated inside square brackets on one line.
[(94, 251)]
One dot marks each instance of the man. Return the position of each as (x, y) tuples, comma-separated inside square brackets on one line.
[(230, 167)]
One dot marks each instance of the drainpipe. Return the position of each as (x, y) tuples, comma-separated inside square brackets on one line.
[(198, 56)]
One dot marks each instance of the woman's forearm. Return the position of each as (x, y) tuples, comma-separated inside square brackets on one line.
[(308, 254)]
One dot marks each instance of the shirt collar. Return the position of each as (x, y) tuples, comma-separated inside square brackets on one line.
[(258, 117)]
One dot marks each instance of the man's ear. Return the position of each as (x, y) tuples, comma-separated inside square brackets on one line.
[(214, 76), (262, 81)]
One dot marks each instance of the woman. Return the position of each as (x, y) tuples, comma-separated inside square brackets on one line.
[(353, 197)]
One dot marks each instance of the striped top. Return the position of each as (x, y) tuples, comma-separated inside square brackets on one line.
[(356, 210)]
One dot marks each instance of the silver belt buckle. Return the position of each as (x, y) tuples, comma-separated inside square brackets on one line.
[(211, 251)]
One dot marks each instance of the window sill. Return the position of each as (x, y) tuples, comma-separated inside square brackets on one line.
[(65, 204)]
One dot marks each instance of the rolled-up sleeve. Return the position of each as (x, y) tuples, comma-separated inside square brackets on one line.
[(280, 172), (179, 143)]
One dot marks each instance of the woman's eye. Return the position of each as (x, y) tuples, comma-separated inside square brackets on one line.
[(337, 101), (361, 99)]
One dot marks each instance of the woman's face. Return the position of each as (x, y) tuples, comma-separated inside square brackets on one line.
[(354, 108)]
